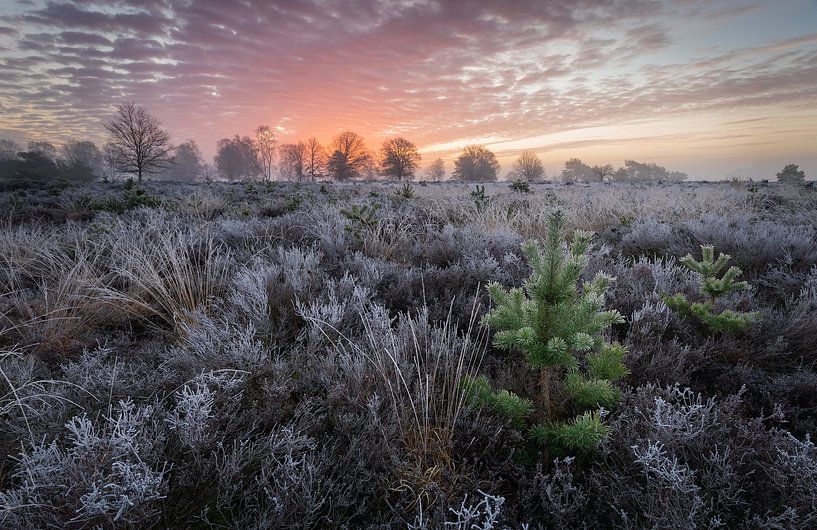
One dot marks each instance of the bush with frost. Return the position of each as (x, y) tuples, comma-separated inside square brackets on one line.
[(103, 473)]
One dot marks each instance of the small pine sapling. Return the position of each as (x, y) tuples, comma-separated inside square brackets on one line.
[(362, 219), (713, 288), (406, 191), (294, 202), (559, 328), (479, 197), (520, 186)]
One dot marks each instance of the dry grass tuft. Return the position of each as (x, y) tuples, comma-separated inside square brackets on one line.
[(165, 278)]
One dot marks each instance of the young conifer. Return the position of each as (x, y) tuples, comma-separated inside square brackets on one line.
[(712, 288), (559, 327)]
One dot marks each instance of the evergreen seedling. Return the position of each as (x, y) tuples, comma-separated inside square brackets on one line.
[(559, 328), (406, 191), (712, 287), (479, 197), (362, 219), (520, 186)]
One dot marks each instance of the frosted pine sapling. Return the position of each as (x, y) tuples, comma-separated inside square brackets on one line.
[(362, 219), (479, 197), (406, 191), (520, 186), (559, 328), (713, 288)]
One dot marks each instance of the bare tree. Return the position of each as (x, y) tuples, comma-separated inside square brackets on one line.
[(528, 167), (436, 171), (604, 172), (265, 144), (399, 158), (143, 144), (293, 161), (237, 158), (476, 164), (111, 160), (349, 159), (315, 159)]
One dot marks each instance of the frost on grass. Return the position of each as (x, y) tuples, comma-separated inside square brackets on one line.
[(203, 363)]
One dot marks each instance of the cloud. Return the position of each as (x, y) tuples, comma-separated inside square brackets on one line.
[(440, 72)]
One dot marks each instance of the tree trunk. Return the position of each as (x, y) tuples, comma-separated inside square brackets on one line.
[(544, 393)]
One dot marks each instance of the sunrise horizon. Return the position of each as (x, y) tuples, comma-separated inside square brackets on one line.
[(718, 90)]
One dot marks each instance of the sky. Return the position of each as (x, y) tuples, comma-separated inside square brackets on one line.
[(715, 88)]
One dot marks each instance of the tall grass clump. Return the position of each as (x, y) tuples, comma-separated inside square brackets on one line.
[(48, 286), (163, 278), (422, 368)]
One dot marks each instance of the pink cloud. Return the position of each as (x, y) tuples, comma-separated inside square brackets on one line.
[(435, 71)]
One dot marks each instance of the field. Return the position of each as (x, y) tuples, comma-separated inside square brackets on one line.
[(287, 355)]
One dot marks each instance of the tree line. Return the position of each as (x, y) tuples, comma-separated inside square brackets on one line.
[(139, 146)]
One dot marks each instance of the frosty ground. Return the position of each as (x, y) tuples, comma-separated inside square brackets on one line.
[(276, 355)]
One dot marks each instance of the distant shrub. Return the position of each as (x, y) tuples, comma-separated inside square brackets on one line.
[(791, 174), (477, 163)]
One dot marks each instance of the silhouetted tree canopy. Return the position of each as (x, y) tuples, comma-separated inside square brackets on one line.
[(577, 171), (237, 158), (436, 171), (45, 149), (349, 159), (791, 174), (186, 164), (9, 149), (604, 172), (81, 161), (476, 164), (640, 172), (399, 158), (293, 161), (29, 168)]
